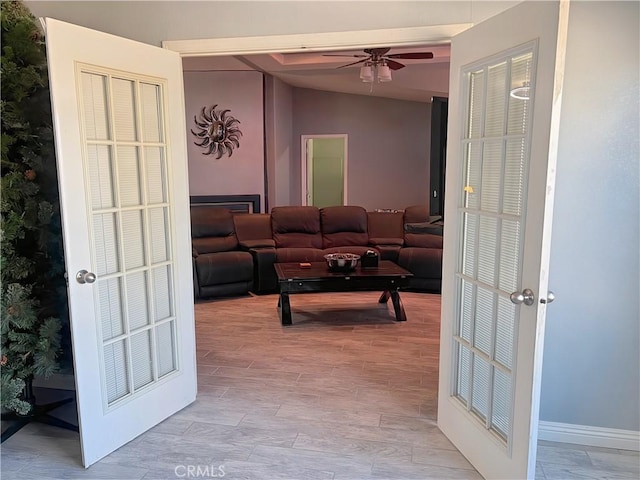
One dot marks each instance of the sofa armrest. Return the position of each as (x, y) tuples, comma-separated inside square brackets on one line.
[(258, 243), (264, 275), (386, 241)]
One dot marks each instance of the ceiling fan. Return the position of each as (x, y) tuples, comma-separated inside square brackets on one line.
[(380, 56)]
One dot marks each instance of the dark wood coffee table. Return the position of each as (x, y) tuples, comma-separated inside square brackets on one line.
[(387, 277)]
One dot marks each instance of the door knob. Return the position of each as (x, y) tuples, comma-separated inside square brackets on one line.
[(550, 298), (85, 277), (527, 297)]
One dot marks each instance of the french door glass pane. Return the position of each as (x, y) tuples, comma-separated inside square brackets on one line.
[(514, 176), (487, 249), (100, 176), (467, 311), (105, 234), (481, 387), (123, 128), (95, 108), (163, 305), (111, 316), (483, 321), (158, 230), (476, 93), (156, 176), (142, 359), (124, 102), (496, 100), (115, 366), (472, 175), (137, 307), (500, 418), (464, 367), (491, 176), (133, 239), (521, 67), (166, 341), (151, 112), (505, 323), (129, 176), (469, 242)]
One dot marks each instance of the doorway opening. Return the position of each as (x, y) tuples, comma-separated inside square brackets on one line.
[(324, 170)]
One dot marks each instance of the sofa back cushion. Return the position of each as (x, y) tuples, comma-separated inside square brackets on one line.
[(418, 232), (416, 214), (386, 228), (296, 227), (212, 230), (344, 225), (253, 226)]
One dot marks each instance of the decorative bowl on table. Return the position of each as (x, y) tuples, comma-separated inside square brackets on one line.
[(342, 262)]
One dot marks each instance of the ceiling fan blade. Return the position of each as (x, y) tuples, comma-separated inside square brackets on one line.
[(393, 65), (354, 63), (412, 55), (341, 55)]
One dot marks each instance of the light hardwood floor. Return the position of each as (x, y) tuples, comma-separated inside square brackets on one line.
[(344, 393)]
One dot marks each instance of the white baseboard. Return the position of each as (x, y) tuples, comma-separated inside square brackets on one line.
[(591, 436), (60, 381)]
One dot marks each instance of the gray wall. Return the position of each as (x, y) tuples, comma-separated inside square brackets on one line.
[(279, 124), (590, 374), (388, 163)]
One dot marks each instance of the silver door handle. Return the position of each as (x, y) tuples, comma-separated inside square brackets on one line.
[(527, 297), (550, 298), (85, 277)]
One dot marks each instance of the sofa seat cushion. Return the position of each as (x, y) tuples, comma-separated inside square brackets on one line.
[(423, 240), (422, 262), (260, 243), (224, 267), (286, 255), (375, 241), (296, 227)]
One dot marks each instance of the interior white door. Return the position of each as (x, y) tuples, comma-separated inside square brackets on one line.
[(119, 123), (505, 92)]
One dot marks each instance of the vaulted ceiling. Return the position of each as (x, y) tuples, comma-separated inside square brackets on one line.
[(419, 80)]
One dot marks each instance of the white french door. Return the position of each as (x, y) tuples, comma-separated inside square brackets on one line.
[(121, 150), (506, 79)]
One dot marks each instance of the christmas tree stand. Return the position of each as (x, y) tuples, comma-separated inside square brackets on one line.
[(39, 413)]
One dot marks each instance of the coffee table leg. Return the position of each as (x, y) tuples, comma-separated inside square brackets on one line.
[(384, 298), (398, 307), (285, 309)]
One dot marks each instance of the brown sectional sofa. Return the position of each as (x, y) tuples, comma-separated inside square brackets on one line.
[(306, 234)]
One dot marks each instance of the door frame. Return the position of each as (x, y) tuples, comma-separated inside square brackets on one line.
[(306, 167)]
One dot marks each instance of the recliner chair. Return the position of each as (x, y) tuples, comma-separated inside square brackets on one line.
[(220, 268)]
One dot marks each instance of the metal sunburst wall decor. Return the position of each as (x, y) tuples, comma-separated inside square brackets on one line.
[(217, 132)]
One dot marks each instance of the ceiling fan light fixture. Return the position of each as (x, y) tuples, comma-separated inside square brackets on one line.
[(384, 73), (366, 73)]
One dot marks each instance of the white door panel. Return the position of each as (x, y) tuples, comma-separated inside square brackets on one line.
[(499, 199), (121, 150)]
